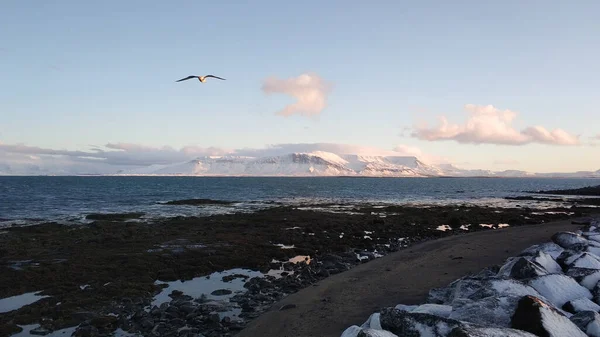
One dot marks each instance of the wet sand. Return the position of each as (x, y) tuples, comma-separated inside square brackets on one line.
[(402, 277)]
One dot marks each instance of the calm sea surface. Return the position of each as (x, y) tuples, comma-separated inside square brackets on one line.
[(71, 198)]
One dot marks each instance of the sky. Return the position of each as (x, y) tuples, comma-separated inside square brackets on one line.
[(482, 85)]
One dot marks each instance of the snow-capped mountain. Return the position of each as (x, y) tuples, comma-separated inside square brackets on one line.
[(297, 164), (317, 163), (328, 164)]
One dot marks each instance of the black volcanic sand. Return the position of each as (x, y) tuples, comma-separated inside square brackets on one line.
[(121, 260)]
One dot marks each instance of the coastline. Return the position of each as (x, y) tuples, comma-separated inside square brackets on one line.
[(405, 277), (147, 252)]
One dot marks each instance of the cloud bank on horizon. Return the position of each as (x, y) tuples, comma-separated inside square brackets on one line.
[(490, 125), (309, 90)]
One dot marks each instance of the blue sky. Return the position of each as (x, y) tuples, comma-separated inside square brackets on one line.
[(79, 74)]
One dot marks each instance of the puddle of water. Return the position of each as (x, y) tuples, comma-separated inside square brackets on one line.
[(66, 332), (199, 286), (16, 302)]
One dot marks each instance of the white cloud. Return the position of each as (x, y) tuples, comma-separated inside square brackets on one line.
[(309, 90), (489, 125)]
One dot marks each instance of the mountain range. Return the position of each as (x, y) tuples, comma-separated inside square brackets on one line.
[(329, 164)]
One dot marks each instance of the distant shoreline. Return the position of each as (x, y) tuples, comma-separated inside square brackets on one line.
[(305, 176)]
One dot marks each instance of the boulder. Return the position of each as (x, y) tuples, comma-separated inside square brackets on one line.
[(558, 289), (586, 277), (526, 269), (492, 311), (488, 332), (540, 318), (547, 262), (581, 304), (408, 324), (549, 248), (570, 240), (434, 309), (588, 322), (586, 260), (375, 333), (373, 322)]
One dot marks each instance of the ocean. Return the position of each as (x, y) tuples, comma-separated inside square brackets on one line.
[(42, 198)]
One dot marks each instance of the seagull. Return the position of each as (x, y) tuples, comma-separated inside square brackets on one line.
[(200, 78)]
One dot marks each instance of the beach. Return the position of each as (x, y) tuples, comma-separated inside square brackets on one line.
[(406, 277), (216, 274)]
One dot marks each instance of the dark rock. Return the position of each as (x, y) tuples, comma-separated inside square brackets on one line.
[(570, 240), (221, 292), (408, 324), (104, 323), (230, 278), (176, 293), (214, 317), (187, 308), (83, 315), (86, 331), (540, 318), (147, 323), (40, 331)]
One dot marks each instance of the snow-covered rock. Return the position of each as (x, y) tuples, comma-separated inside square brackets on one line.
[(540, 318), (356, 331), (558, 289), (586, 277), (549, 248), (375, 333), (586, 260), (405, 307), (570, 240), (373, 322), (404, 323), (492, 311), (547, 262), (434, 309), (581, 304), (488, 332), (588, 322), (523, 268)]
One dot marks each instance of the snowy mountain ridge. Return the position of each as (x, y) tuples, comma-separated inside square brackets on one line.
[(321, 163)]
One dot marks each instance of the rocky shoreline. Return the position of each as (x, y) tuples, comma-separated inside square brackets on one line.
[(550, 289), (102, 277)]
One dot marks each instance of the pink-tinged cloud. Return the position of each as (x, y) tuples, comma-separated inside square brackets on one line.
[(309, 90), (489, 125)]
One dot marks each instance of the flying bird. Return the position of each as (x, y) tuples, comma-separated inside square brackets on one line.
[(200, 78)]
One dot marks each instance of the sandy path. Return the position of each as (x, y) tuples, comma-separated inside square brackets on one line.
[(402, 277)]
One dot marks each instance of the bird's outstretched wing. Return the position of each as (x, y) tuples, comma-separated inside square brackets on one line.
[(187, 78), (215, 77)]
